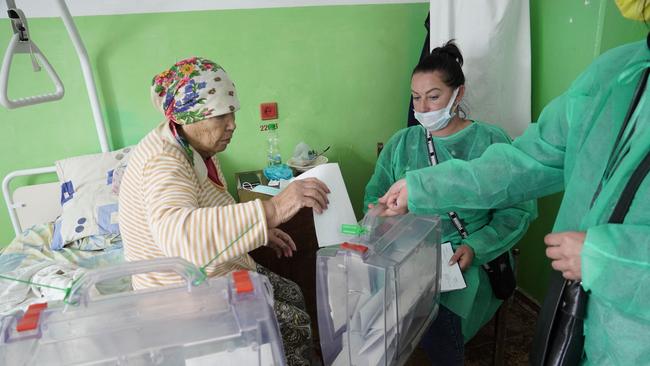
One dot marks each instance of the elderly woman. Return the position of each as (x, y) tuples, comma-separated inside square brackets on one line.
[(174, 202)]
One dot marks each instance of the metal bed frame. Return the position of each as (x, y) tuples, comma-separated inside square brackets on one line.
[(40, 203)]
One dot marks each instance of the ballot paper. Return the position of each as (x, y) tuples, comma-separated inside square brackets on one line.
[(373, 329), (339, 288), (339, 210), (451, 278), (373, 323)]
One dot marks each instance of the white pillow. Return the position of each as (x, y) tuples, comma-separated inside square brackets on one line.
[(88, 200)]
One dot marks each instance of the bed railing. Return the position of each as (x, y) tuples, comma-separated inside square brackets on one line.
[(38, 204)]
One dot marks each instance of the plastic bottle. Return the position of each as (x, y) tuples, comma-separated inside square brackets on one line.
[(273, 152)]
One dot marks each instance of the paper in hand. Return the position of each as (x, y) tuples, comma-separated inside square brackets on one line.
[(339, 210), (451, 278)]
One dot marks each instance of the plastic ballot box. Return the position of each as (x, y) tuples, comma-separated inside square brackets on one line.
[(217, 321), (378, 293)]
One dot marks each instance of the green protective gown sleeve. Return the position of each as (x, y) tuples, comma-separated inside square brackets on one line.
[(506, 227), (603, 255), (533, 169), (505, 174), (616, 272)]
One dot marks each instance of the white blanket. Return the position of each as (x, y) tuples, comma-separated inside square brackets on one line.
[(38, 274)]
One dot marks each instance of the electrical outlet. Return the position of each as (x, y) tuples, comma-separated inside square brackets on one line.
[(269, 111)]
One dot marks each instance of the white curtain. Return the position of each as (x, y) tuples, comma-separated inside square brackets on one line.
[(494, 38)]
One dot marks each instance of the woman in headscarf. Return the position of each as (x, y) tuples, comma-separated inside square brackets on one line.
[(174, 201)]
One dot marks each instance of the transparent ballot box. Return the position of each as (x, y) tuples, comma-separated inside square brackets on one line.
[(217, 321), (378, 293)]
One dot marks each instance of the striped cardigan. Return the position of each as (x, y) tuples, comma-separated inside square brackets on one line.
[(170, 208)]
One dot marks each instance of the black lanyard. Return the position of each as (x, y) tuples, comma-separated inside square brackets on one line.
[(621, 148), (433, 159)]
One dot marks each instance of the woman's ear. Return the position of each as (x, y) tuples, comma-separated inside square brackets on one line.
[(459, 97), (461, 94)]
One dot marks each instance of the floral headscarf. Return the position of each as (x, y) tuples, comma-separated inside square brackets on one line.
[(192, 90)]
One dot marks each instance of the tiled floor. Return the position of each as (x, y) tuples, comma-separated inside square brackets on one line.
[(480, 350)]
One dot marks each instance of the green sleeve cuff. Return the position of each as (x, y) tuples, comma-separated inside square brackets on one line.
[(591, 258)]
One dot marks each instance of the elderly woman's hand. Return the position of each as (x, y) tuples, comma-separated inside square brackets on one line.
[(281, 242), (309, 192)]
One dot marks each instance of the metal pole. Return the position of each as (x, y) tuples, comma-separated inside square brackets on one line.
[(87, 73)]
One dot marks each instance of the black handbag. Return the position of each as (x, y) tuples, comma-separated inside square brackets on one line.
[(501, 276), (559, 334), (559, 337)]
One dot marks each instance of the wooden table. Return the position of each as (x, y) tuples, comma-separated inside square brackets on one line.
[(301, 268)]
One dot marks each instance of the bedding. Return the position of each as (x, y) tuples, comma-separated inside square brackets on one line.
[(30, 259), (89, 211)]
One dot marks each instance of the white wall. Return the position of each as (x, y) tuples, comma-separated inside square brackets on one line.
[(46, 8)]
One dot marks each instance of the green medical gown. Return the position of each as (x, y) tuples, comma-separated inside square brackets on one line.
[(491, 232), (568, 149)]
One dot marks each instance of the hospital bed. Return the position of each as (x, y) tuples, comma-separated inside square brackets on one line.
[(29, 264)]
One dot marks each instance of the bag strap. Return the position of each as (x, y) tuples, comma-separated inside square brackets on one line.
[(624, 202), (641, 171), (638, 93)]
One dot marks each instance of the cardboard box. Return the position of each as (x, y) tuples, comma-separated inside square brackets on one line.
[(245, 195)]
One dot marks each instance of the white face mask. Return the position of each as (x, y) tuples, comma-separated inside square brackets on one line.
[(437, 120)]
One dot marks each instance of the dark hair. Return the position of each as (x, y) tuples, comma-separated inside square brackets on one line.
[(448, 61)]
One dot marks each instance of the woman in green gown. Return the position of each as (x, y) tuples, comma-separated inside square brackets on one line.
[(438, 87)]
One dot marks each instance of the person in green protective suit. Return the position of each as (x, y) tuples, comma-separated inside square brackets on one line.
[(438, 87), (579, 145)]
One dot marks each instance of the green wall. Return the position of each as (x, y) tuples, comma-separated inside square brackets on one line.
[(340, 75), (566, 36)]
